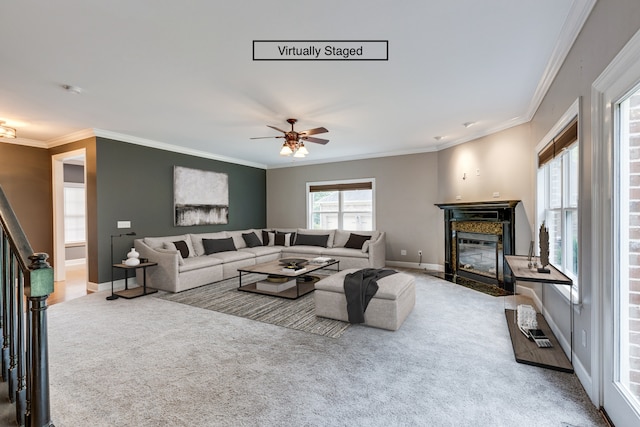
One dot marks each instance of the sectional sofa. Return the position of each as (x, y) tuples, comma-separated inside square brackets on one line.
[(189, 260)]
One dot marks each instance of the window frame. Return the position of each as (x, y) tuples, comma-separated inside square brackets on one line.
[(337, 183), (572, 114)]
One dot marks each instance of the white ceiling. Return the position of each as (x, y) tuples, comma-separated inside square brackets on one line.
[(180, 75)]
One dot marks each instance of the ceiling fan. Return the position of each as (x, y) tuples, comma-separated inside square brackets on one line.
[(294, 141)]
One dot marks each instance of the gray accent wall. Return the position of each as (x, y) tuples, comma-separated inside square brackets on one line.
[(405, 197), (135, 183)]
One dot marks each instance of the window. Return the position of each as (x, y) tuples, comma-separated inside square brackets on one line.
[(557, 199), (74, 216), (346, 205)]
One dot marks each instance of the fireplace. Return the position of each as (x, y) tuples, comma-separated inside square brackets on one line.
[(477, 237)]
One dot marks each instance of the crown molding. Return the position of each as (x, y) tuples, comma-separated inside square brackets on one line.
[(174, 148), (71, 137), (24, 141), (576, 18)]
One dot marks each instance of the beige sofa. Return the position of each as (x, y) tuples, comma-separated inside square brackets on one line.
[(175, 272)]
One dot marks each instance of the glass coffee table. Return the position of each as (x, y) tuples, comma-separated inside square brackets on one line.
[(282, 282)]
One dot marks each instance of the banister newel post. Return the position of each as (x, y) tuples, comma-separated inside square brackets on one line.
[(40, 285)]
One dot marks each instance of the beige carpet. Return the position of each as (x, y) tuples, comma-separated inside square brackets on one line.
[(150, 362)]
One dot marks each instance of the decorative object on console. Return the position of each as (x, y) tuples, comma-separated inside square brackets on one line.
[(113, 295), (544, 249), (294, 141), (133, 258), (200, 197)]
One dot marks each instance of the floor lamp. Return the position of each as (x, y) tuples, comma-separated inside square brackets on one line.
[(114, 296)]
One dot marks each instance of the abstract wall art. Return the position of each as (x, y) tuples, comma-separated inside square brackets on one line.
[(200, 197)]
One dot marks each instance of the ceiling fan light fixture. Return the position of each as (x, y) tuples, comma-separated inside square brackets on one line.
[(303, 150), (299, 154), (286, 150), (6, 131)]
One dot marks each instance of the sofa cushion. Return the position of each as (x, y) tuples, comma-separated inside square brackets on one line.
[(344, 252), (195, 263), (171, 250), (341, 236), (196, 240), (251, 239), (312, 240), (212, 246), (259, 251), (356, 241), (158, 242), (231, 256)]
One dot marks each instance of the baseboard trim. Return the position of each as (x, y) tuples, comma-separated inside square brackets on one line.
[(415, 265), (118, 285)]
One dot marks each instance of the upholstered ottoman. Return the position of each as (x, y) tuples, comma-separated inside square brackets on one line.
[(387, 309)]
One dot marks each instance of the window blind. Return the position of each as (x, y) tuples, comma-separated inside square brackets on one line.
[(561, 141), (365, 185)]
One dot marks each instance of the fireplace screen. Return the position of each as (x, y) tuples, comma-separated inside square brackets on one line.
[(480, 254)]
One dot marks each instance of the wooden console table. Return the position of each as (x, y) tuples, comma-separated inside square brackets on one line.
[(525, 350)]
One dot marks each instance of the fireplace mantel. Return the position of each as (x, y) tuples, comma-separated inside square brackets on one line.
[(511, 204), (477, 216)]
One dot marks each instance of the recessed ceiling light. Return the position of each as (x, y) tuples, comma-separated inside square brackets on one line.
[(72, 89), (468, 124)]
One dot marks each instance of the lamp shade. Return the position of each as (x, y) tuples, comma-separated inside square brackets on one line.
[(286, 150)]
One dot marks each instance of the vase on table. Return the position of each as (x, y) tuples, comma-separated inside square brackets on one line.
[(133, 258)]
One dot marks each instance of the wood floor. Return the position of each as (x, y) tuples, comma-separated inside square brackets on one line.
[(74, 285)]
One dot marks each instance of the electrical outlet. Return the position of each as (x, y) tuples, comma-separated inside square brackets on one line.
[(496, 194), (403, 252), (420, 253), (458, 197), (124, 224)]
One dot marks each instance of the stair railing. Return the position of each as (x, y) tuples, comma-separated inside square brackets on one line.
[(25, 360)]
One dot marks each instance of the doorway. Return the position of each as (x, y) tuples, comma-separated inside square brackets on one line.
[(70, 224)]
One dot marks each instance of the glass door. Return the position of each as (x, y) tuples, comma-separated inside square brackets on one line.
[(621, 366)]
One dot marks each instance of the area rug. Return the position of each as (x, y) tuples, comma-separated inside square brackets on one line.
[(224, 297)]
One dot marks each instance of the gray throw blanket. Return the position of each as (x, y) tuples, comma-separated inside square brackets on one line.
[(359, 287)]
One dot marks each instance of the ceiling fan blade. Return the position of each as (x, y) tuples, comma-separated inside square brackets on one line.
[(313, 131), (264, 137), (316, 140), (279, 130)]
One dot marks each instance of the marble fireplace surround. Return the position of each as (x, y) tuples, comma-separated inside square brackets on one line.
[(493, 219)]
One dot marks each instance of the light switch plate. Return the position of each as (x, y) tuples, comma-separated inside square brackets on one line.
[(124, 224)]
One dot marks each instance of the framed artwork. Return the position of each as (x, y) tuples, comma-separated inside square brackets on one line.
[(200, 197)]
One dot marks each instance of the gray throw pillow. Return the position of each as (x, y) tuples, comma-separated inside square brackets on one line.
[(212, 246), (251, 239), (356, 241), (312, 240), (181, 245)]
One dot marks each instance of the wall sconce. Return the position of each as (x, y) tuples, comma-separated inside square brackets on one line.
[(6, 131)]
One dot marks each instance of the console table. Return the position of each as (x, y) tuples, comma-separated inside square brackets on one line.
[(525, 350), (139, 290)]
